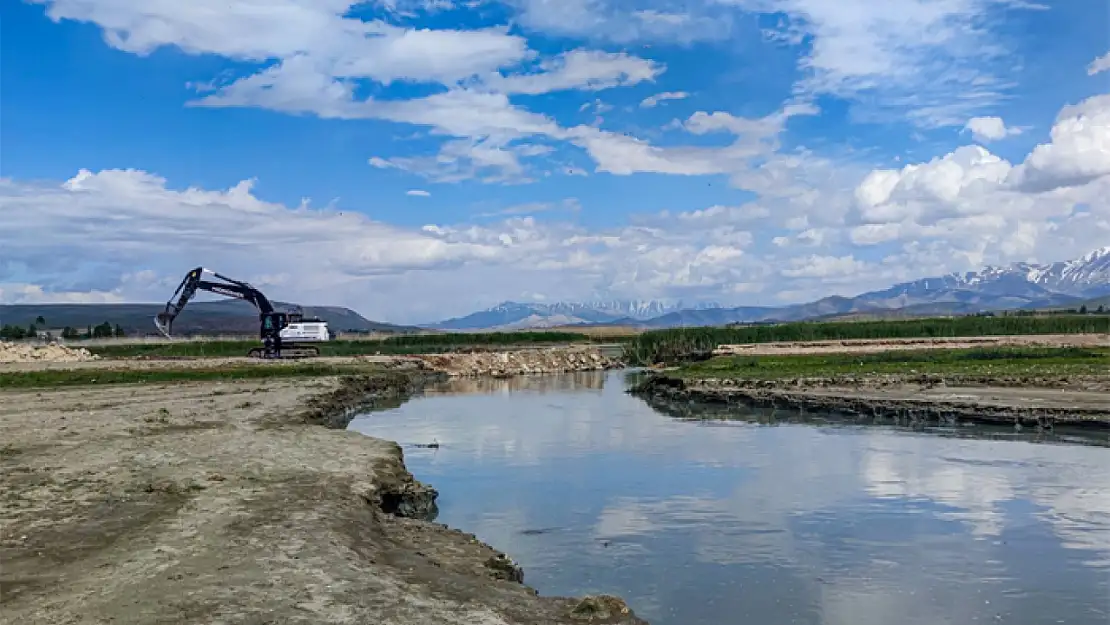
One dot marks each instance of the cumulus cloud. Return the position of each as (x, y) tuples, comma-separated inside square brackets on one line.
[(130, 236), (1079, 150), (970, 206), (986, 129)]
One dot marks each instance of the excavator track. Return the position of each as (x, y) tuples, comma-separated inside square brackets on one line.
[(288, 352)]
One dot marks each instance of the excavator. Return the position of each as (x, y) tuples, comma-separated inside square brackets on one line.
[(280, 331)]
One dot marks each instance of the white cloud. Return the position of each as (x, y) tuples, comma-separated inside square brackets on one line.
[(418, 193), (579, 69), (824, 267), (1078, 152), (936, 62), (22, 293), (952, 212), (654, 100), (315, 56), (316, 32), (111, 222), (986, 129), (612, 20), (623, 154), (1099, 65), (972, 207)]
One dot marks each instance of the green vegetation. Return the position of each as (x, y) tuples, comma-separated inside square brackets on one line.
[(17, 333), (991, 361), (414, 344), (83, 377), (677, 345)]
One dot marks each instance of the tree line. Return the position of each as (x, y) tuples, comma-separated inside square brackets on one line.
[(9, 332)]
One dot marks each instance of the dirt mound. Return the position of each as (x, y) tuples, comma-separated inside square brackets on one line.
[(20, 352), (521, 362)]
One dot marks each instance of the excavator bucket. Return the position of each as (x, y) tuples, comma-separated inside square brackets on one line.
[(162, 321)]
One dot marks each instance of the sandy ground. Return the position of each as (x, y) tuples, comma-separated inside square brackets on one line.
[(226, 503), (185, 363), (882, 345)]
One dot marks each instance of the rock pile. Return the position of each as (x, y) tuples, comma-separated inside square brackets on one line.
[(21, 352), (521, 362)]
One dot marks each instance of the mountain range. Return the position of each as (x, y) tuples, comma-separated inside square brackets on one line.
[(1084, 280), (1016, 286), (230, 316)]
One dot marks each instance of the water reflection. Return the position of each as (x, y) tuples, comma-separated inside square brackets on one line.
[(579, 381), (727, 521)]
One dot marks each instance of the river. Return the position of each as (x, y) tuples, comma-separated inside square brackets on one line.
[(715, 521)]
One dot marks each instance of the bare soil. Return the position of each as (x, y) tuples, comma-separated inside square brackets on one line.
[(231, 503), (883, 345)]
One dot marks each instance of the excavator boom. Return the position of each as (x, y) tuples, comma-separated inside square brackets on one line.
[(193, 282), (272, 322)]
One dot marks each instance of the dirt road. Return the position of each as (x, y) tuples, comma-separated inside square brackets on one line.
[(229, 503)]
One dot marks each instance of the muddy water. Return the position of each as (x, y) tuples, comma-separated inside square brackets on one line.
[(723, 520)]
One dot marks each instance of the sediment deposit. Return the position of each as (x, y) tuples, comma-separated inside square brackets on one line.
[(521, 362), (236, 502)]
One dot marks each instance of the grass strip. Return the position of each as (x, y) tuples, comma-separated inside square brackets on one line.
[(675, 345), (86, 377), (398, 345), (991, 361)]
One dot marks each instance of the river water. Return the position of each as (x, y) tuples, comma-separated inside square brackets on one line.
[(716, 520)]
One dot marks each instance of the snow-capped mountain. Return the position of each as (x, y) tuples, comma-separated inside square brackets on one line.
[(1074, 277), (1087, 276), (1020, 285)]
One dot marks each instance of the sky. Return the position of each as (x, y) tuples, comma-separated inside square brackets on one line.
[(421, 159)]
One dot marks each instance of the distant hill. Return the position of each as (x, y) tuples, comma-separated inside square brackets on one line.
[(518, 316), (219, 317)]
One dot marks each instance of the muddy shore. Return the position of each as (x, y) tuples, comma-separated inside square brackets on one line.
[(238, 502), (909, 399)]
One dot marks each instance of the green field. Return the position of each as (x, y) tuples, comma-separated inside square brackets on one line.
[(989, 361), (675, 346), (87, 377), (409, 344)]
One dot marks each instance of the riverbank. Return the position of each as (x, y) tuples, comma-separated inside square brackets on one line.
[(1040, 387), (238, 501), (523, 361)]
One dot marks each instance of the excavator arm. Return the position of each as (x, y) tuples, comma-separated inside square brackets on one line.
[(194, 281)]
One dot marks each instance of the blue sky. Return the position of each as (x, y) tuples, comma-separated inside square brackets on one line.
[(455, 154)]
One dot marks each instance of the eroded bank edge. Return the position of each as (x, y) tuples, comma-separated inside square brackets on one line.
[(853, 403), (400, 494)]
